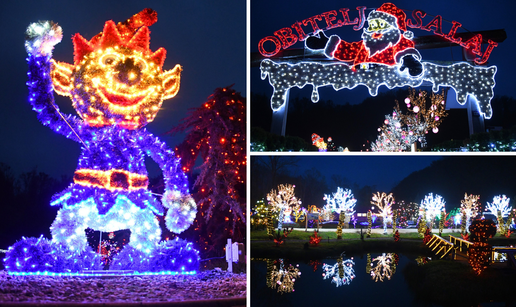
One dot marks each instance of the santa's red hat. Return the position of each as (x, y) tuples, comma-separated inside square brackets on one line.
[(392, 15), (391, 9)]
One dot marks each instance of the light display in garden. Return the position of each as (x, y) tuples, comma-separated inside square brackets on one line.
[(341, 201), (469, 208), (341, 273), (500, 209), (400, 131), (117, 85), (283, 201), (433, 206), (384, 202), (283, 278), (382, 267), (479, 253), (386, 55)]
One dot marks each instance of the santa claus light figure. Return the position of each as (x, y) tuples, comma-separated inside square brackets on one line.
[(382, 43)]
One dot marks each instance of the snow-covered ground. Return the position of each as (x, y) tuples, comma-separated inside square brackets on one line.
[(206, 285)]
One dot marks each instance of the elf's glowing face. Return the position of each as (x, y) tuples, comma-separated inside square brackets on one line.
[(116, 86)]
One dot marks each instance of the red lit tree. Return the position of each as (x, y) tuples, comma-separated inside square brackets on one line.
[(216, 132)]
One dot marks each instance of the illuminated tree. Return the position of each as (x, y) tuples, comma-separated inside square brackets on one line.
[(422, 226), (469, 207), (284, 202), (382, 267), (341, 273), (500, 208), (341, 201), (480, 252), (315, 239), (284, 278), (400, 130), (384, 203), (216, 133), (433, 205), (369, 223)]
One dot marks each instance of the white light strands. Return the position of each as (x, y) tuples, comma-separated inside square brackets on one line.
[(284, 278), (382, 267), (68, 227), (469, 206), (400, 131), (384, 203), (341, 273), (464, 78), (283, 201), (500, 204), (342, 200), (433, 205)]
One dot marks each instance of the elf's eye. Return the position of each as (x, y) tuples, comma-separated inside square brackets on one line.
[(108, 59)]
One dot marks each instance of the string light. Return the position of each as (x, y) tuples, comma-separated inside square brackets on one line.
[(283, 201), (384, 202), (117, 86)]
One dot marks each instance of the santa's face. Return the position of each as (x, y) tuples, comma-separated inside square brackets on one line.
[(379, 35)]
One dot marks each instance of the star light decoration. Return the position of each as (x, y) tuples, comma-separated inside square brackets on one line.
[(282, 278), (469, 207), (342, 200), (384, 203), (464, 78), (433, 206), (283, 201), (117, 85), (400, 131), (341, 273)]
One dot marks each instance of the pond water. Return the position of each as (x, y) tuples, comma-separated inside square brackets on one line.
[(374, 279)]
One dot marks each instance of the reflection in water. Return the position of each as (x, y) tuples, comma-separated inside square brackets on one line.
[(280, 278), (422, 260), (341, 273), (383, 266)]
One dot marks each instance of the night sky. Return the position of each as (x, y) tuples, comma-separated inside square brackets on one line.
[(384, 172), (477, 15), (207, 38)]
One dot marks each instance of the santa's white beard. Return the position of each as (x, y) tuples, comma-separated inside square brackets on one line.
[(375, 45)]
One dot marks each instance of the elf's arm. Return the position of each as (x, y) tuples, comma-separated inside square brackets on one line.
[(41, 38), (181, 206)]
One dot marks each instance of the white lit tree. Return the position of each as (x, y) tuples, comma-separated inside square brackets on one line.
[(501, 209), (341, 201), (384, 203), (400, 131), (382, 267), (341, 273), (433, 206), (284, 202), (469, 207)]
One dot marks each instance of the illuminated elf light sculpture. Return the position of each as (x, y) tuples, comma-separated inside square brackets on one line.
[(117, 85), (384, 203), (283, 201), (433, 206), (342, 202), (469, 207), (385, 56), (400, 131), (341, 273)]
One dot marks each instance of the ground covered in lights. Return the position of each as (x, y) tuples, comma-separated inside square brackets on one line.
[(206, 285)]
